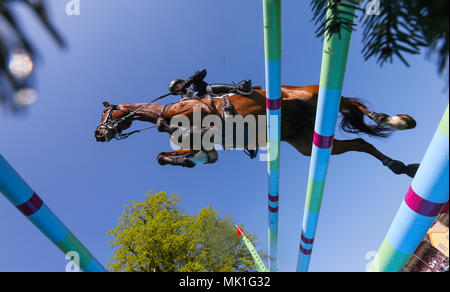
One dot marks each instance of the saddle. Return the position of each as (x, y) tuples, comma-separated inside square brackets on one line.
[(191, 95)]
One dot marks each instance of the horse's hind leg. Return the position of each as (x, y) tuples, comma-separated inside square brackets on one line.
[(398, 122), (360, 145), (187, 158)]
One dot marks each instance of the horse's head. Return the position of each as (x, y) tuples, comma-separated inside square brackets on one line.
[(114, 120)]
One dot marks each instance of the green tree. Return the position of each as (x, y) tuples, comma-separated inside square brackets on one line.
[(156, 235)]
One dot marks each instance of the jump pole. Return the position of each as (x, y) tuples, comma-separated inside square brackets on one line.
[(260, 266), (272, 48), (19, 193), (426, 196), (334, 60)]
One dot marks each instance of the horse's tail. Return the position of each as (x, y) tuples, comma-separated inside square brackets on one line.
[(353, 110)]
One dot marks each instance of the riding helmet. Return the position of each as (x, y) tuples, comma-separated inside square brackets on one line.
[(173, 83)]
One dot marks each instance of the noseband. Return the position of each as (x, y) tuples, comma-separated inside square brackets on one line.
[(111, 124)]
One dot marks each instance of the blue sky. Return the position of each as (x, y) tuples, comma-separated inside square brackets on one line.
[(127, 52)]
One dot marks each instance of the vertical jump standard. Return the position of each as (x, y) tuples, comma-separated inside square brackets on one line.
[(260, 266), (334, 60), (423, 201), (19, 193), (272, 48)]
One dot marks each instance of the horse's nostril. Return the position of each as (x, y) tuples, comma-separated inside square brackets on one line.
[(96, 133)]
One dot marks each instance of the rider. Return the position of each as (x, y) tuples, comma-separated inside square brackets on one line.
[(196, 82)]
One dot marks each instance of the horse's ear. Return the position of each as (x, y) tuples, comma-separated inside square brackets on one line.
[(106, 104)]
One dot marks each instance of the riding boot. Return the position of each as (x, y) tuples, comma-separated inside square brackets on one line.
[(243, 88)]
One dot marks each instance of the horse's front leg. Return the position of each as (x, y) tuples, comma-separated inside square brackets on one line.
[(186, 134), (188, 138), (188, 158), (164, 126)]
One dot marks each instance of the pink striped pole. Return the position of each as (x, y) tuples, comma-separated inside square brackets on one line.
[(19, 193)]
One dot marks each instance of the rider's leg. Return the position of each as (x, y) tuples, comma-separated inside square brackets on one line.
[(243, 88)]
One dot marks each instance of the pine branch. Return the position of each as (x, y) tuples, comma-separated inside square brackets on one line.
[(401, 27), (14, 39), (330, 16)]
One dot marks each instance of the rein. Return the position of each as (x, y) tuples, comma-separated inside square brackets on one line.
[(113, 124), (141, 107), (126, 135)]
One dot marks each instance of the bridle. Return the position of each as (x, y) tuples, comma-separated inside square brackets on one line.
[(111, 124)]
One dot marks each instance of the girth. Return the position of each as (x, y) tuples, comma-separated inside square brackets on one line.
[(228, 110)]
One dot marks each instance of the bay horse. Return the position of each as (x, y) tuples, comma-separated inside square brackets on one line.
[(298, 110)]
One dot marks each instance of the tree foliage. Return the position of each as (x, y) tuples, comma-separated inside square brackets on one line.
[(398, 27), (156, 235), (12, 38)]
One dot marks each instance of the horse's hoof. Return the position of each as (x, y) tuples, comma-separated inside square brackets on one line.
[(411, 169), (396, 166), (189, 164), (401, 122)]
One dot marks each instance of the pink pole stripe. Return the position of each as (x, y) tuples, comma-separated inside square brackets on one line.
[(273, 104), (273, 210), (305, 251), (31, 206), (323, 142), (422, 206), (274, 198), (307, 240)]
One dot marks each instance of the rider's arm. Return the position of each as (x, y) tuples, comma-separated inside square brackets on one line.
[(196, 78)]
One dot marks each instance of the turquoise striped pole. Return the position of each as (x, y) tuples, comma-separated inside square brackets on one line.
[(272, 48), (334, 60), (19, 193), (423, 201), (260, 266)]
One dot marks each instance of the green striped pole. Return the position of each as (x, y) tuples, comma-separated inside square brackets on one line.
[(260, 266), (423, 201), (272, 47), (19, 193), (334, 60)]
